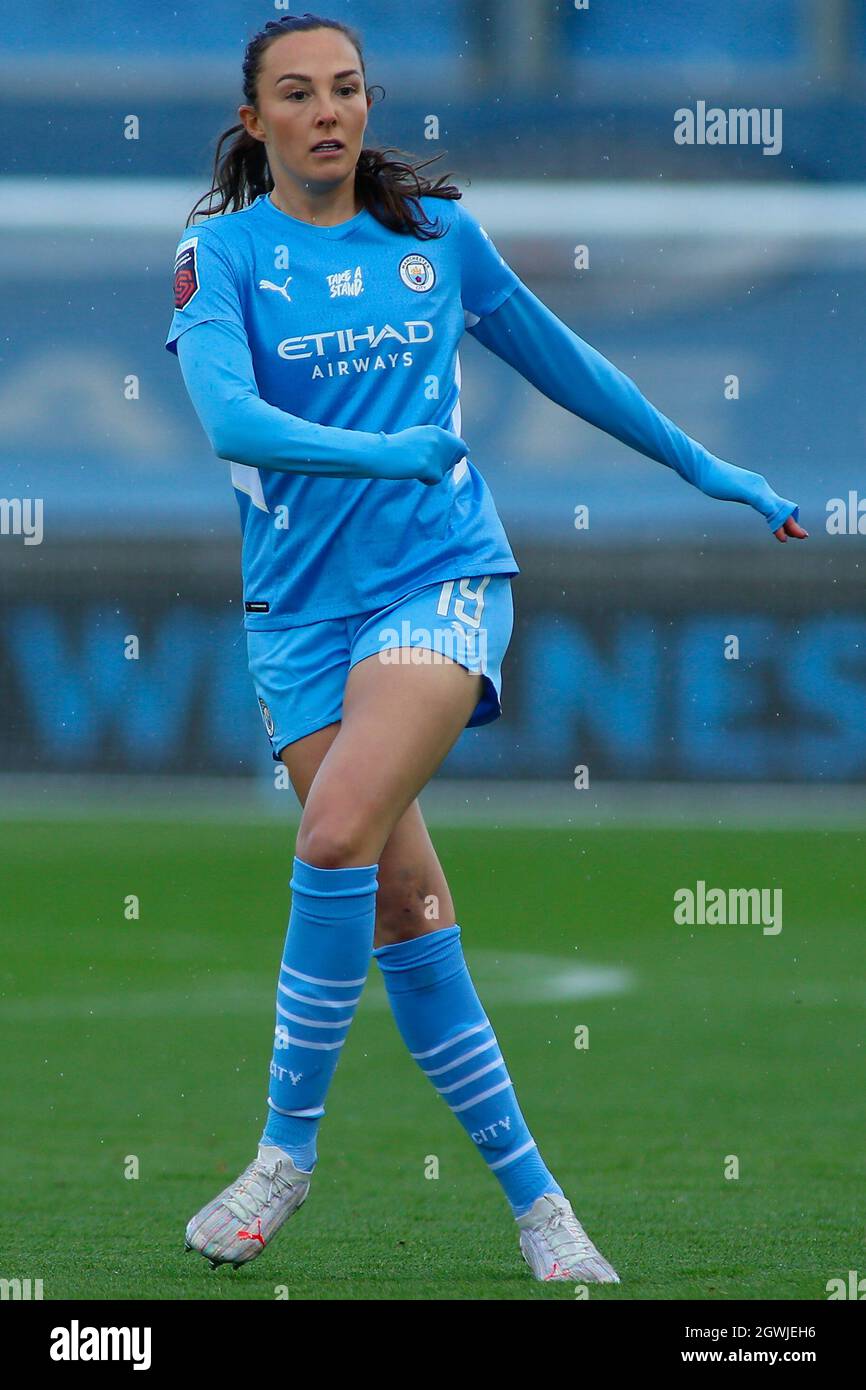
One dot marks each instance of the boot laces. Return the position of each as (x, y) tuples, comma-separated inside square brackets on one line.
[(567, 1236), (250, 1192)]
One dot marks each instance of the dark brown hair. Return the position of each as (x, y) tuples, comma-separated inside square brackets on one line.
[(388, 188)]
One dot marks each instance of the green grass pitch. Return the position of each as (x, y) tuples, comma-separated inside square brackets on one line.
[(152, 1038)]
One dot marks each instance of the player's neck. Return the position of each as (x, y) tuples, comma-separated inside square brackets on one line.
[(321, 210)]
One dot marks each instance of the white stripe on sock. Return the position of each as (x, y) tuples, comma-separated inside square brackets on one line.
[(313, 1022), (465, 1104), (314, 980), (317, 1047), (518, 1153), (491, 1066), (316, 1110), (458, 1061), (321, 1003), (458, 1037)]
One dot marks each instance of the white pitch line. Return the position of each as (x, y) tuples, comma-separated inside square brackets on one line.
[(501, 977)]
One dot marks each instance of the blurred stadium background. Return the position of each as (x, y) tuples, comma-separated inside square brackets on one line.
[(703, 263)]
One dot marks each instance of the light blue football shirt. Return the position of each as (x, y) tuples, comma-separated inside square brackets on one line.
[(354, 326)]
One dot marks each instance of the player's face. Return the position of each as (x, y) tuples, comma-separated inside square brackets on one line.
[(311, 89)]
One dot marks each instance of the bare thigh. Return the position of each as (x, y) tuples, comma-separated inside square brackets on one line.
[(400, 718), (413, 896)]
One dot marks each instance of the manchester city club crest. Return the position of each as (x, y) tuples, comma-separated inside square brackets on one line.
[(417, 272)]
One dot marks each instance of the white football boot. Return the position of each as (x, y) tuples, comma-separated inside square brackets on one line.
[(237, 1225), (555, 1245)]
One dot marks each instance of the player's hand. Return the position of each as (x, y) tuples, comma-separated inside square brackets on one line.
[(790, 528), (428, 452)]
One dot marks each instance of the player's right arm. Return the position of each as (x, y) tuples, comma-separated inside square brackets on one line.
[(209, 336)]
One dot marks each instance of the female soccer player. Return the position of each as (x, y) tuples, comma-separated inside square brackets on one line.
[(317, 323)]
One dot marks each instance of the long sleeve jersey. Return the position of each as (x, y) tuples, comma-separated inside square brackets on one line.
[(317, 348)]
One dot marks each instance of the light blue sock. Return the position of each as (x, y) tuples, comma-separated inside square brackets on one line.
[(443, 1024), (325, 964)]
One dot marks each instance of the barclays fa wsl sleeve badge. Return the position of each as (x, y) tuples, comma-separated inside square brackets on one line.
[(186, 284)]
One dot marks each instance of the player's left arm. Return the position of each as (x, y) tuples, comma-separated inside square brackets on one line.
[(527, 335)]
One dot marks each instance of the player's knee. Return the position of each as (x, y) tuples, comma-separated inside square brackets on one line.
[(331, 843)]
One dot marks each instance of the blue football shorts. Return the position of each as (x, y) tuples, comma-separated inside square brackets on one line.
[(300, 673)]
